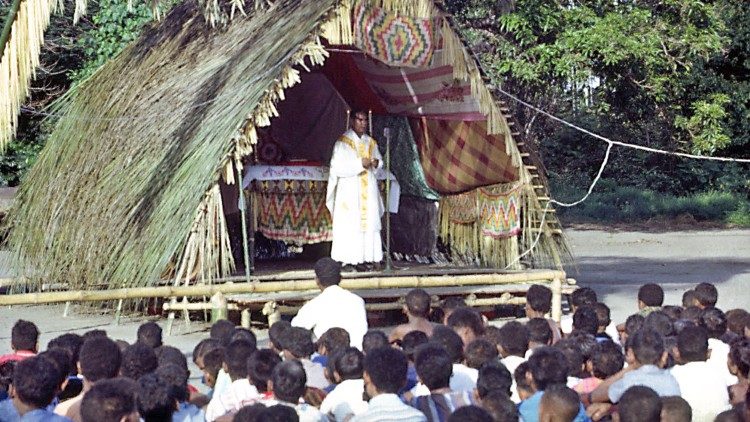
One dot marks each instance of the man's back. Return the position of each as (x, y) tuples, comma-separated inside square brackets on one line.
[(703, 388), (334, 307), (389, 408)]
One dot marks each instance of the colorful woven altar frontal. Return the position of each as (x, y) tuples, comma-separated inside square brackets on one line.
[(498, 213), (395, 40)]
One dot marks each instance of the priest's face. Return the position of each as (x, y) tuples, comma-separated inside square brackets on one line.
[(359, 124)]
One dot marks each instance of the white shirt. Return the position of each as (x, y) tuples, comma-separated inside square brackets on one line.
[(703, 388), (718, 360), (345, 399), (462, 379), (238, 394), (512, 362), (306, 412), (334, 307), (389, 408)]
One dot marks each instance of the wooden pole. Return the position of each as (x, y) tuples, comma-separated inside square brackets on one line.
[(243, 216), (9, 20)]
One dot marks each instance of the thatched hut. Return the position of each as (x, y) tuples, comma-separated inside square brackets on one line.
[(127, 190)]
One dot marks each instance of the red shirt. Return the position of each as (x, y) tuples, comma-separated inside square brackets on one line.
[(14, 357)]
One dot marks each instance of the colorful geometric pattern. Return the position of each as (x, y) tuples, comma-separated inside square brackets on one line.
[(395, 40), (458, 156), (462, 208), (498, 213)]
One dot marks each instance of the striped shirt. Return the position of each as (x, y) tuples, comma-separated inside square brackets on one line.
[(438, 407), (389, 408)]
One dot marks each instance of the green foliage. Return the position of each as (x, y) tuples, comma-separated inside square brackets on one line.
[(706, 125)]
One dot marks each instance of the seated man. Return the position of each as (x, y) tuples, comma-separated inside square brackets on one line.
[(334, 306), (23, 340), (639, 404), (287, 387), (35, 383), (347, 397), (236, 356), (547, 367), (434, 368), (417, 310), (111, 400), (559, 404), (296, 343)]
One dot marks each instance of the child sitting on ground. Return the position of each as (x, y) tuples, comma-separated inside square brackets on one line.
[(606, 361)]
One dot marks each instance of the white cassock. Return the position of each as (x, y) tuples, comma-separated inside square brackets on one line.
[(354, 200)]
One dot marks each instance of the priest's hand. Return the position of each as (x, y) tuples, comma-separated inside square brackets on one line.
[(366, 163), (374, 162)]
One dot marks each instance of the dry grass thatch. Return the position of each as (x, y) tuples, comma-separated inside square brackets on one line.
[(114, 194)]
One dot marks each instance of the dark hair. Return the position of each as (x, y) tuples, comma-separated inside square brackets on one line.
[(155, 403), (692, 313), (519, 375), (586, 320), (100, 358), (660, 322), (714, 321), (692, 343), (72, 343), (562, 400), (586, 343), (651, 294), (137, 361), (386, 368), (235, 358), (245, 335), (204, 346), (647, 345), (639, 404), (548, 366), (24, 335), (573, 357), (328, 272), (109, 400), (634, 323), (452, 303), (222, 331), (688, 298), (451, 341), (411, 341), (478, 352), (213, 360), (6, 374), (149, 333), (170, 354), (706, 294), (470, 413), (418, 303), (500, 406), (737, 319), (289, 381), (539, 298), (467, 318), (607, 360), (494, 376), (260, 367), (251, 412), (603, 315), (275, 332), (513, 337), (278, 413), (539, 331), (334, 339), (61, 359), (176, 378), (434, 366), (676, 408), (739, 355), (373, 339), (35, 380), (681, 324), (94, 333), (583, 296), (349, 363), (298, 341), (673, 312)]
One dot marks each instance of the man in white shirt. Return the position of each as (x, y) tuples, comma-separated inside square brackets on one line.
[(334, 307), (347, 397), (288, 386), (241, 389)]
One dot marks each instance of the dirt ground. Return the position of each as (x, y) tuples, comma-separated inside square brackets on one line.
[(614, 263)]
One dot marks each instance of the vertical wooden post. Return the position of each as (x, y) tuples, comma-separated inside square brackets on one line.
[(557, 299)]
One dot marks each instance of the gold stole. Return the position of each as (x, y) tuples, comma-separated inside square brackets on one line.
[(364, 150)]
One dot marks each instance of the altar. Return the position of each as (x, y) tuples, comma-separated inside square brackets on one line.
[(289, 201)]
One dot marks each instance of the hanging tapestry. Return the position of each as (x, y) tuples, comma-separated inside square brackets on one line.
[(394, 40), (499, 212), (461, 208)]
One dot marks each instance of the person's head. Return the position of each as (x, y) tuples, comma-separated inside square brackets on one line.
[(296, 342), (559, 404), (737, 414), (581, 297), (540, 332), (538, 301), (586, 343), (260, 366), (736, 321), (385, 371), (411, 341), (493, 376), (61, 359), (645, 346), (327, 272), (470, 413), (222, 331), (235, 358), (70, 342), (607, 360), (650, 295), (348, 364), (660, 322), (149, 333), (333, 340), (204, 346), (632, 324), (35, 382), (467, 323), (359, 122), (675, 409), (275, 333), (573, 357), (513, 339), (99, 359), (245, 335), (434, 366), (176, 378), (450, 304), (171, 354), (137, 360), (706, 295), (602, 316), (24, 336), (288, 381), (500, 406), (681, 324), (739, 358), (692, 345), (639, 404), (155, 403), (586, 320), (251, 412), (692, 313), (673, 312), (6, 375), (374, 339), (277, 413), (547, 366), (478, 352), (451, 341), (417, 303), (524, 386), (111, 400), (212, 363), (714, 321), (689, 299)]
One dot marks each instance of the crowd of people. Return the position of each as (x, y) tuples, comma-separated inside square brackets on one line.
[(663, 363)]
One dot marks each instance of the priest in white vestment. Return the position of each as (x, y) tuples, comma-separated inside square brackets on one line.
[(353, 197)]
